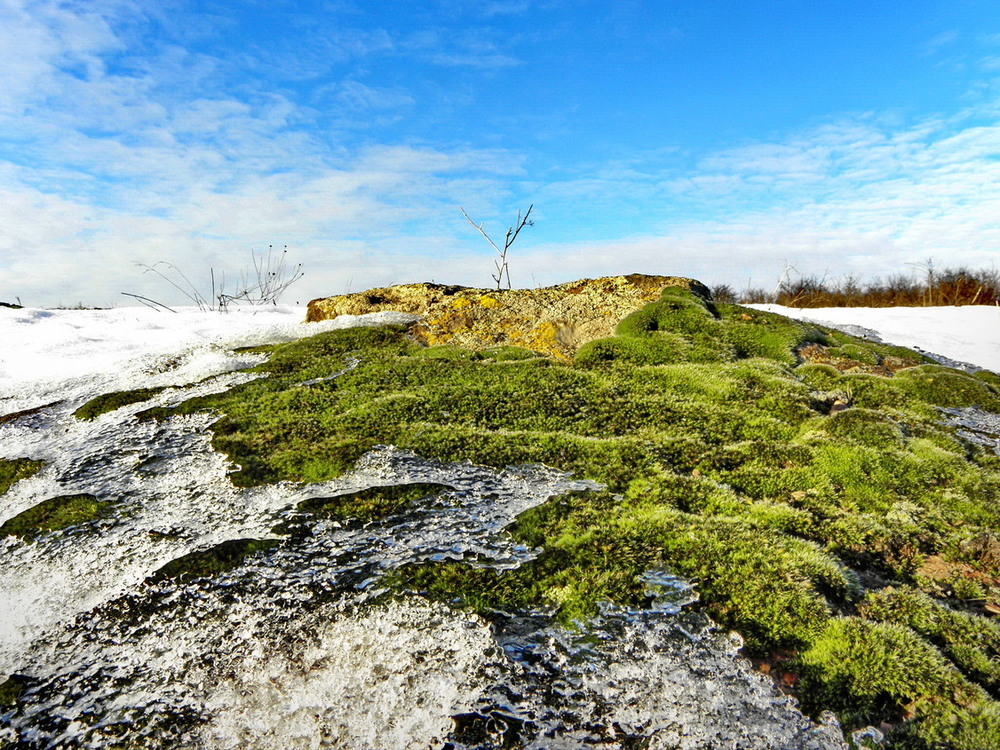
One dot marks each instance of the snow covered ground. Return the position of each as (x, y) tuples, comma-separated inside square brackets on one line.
[(46, 355), (967, 334)]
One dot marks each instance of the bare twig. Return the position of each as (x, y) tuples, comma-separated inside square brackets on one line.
[(784, 278), (270, 279), (512, 233)]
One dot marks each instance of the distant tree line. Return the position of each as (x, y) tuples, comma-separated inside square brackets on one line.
[(950, 286)]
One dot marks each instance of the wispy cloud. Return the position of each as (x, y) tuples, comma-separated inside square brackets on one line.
[(941, 41), (107, 159), (859, 196)]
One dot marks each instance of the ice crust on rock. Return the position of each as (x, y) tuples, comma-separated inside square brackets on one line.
[(662, 676), (976, 426), (385, 677)]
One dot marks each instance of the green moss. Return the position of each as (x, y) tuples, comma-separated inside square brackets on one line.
[(855, 353), (680, 326), (211, 562), (972, 643), (874, 392), (110, 401), (866, 427), (677, 310), (723, 464), (508, 353), (447, 351), (54, 514), (942, 386), (16, 469), (654, 349), (755, 333), (864, 669), (820, 376), (683, 325), (988, 377), (11, 690), (975, 727), (373, 504), (761, 469)]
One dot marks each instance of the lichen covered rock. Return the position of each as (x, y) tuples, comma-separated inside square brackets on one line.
[(555, 320)]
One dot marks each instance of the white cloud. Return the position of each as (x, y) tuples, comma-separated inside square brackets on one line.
[(868, 196), (162, 161)]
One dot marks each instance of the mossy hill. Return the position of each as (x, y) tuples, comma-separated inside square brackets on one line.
[(803, 478), (553, 320)]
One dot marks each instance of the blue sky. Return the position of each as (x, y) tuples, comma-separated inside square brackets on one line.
[(719, 140)]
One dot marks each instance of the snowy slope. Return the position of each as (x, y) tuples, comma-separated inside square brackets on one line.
[(967, 334)]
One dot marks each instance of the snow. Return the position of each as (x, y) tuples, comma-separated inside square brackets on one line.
[(48, 355), (969, 334)]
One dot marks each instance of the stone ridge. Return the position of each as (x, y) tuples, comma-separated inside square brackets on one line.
[(553, 320)]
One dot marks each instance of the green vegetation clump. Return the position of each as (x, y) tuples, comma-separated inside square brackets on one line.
[(110, 401), (211, 562), (447, 351), (990, 377), (854, 353), (54, 514), (865, 427), (373, 504), (943, 386), (16, 469), (735, 452), (971, 642), (867, 668), (11, 689)]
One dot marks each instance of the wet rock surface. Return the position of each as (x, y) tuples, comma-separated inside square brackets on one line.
[(976, 426), (554, 320)]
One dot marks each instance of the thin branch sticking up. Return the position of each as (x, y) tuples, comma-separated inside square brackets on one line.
[(512, 232)]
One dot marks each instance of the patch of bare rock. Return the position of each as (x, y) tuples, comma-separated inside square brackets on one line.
[(554, 320)]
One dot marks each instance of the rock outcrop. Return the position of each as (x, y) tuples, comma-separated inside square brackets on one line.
[(553, 320)]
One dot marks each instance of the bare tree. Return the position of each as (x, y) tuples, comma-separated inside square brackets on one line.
[(512, 232)]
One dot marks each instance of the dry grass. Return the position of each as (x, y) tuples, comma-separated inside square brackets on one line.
[(950, 286)]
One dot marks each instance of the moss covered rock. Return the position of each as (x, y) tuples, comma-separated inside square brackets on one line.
[(53, 514), (553, 320), (792, 471)]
